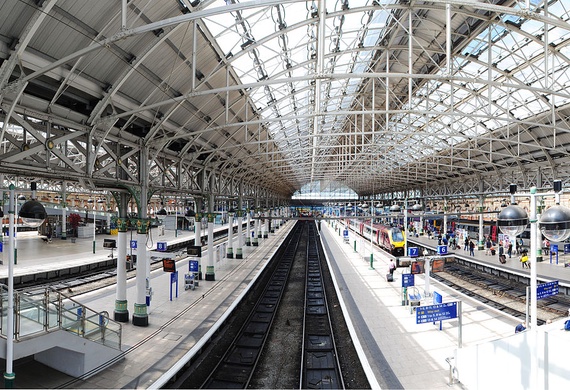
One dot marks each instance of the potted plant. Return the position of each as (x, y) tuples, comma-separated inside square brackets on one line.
[(74, 220)]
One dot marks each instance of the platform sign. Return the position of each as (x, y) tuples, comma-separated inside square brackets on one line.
[(440, 312), (168, 265), (547, 289), (413, 251), (345, 233), (1, 247), (442, 250), (161, 246), (566, 248), (437, 265), (554, 248), (437, 298), (418, 266), (407, 280), (193, 266), (133, 244)]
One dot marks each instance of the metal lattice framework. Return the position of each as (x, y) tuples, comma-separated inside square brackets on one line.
[(260, 98)]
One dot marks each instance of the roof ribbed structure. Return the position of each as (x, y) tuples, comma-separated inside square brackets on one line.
[(262, 98)]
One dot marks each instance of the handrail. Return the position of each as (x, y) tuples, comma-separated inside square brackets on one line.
[(40, 312), (452, 370)]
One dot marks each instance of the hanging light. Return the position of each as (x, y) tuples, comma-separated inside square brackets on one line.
[(33, 213)]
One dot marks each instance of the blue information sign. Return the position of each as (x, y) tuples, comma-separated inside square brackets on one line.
[(1, 247), (437, 298), (413, 251), (134, 244), (345, 233), (547, 289), (566, 248), (554, 248), (407, 280), (174, 277), (444, 311), (161, 246), (193, 266), (442, 249)]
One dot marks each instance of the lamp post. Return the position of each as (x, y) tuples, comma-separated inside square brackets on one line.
[(554, 225), (33, 214)]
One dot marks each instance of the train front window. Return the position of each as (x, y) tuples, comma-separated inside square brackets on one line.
[(397, 235)]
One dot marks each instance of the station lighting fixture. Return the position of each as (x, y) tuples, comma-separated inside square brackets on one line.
[(416, 208), (395, 208), (189, 215), (161, 214), (33, 213)]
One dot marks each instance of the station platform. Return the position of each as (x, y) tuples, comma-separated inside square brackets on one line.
[(549, 269), (399, 353), (175, 326)]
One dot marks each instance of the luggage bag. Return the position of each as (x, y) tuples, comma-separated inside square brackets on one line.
[(389, 277), (502, 259)]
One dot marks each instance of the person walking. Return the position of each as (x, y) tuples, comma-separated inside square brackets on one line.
[(392, 266), (471, 248), (510, 249)]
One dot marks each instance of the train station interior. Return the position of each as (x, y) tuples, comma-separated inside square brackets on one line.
[(141, 137)]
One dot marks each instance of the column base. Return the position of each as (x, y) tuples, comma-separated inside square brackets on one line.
[(140, 317), (255, 242), (265, 235), (121, 313), (210, 274), (260, 235), (239, 254), (9, 380)]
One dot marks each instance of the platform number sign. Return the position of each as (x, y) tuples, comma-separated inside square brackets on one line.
[(554, 248), (133, 244), (413, 251), (1, 246), (345, 233), (161, 246), (442, 249)]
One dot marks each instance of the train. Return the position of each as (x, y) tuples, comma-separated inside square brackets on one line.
[(390, 238)]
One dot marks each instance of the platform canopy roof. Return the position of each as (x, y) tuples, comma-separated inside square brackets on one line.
[(264, 97)]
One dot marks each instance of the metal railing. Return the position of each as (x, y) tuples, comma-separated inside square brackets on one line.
[(37, 312)]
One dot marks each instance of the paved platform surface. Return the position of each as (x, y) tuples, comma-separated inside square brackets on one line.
[(403, 354), (174, 326)]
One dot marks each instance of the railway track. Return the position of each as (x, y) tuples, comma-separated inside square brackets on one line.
[(287, 338), (508, 296), (238, 364), (320, 366)]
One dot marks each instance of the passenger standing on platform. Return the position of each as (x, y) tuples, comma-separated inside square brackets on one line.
[(466, 244), (488, 245), (510, 249), (471, 248), (524, 260)]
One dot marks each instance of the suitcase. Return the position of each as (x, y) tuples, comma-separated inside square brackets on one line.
[(502, 259), (493, 252), (389, 277)]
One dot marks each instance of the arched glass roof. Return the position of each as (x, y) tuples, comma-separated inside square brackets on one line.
[(262, 98)]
